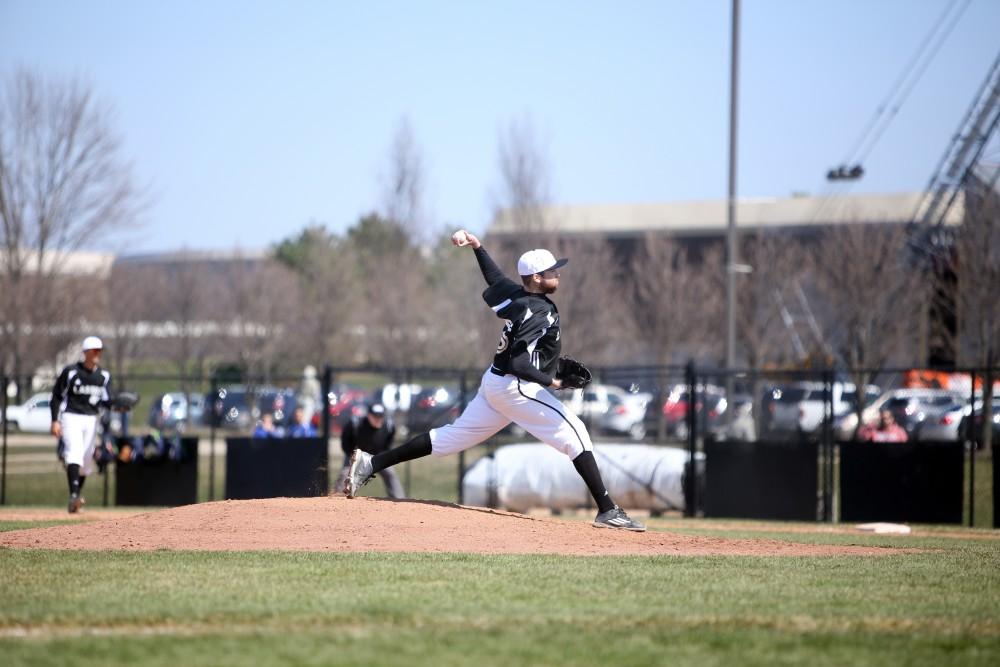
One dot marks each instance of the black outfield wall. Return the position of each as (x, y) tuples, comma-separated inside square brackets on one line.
[(276, 467)]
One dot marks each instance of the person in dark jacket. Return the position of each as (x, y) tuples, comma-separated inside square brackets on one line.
[(373, 434)]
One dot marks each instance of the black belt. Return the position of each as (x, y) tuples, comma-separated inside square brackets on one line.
[(496, 371)]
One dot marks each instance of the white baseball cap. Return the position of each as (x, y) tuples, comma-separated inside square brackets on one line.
[(92, 343), (538, 260)]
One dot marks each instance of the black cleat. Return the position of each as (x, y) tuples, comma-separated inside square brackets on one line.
[(75, 501), (617, 518)]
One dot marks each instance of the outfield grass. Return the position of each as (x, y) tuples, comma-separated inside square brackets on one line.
[(941, 606)]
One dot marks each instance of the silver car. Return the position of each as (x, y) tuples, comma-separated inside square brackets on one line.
[(626, 414), (944, 425)]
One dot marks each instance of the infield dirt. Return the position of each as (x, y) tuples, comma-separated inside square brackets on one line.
[(337, 524)]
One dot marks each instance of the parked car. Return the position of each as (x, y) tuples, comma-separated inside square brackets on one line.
[(396, 397), (626, 414), (175, 410), (592, 403), (799, 407), (345, 401), (709, 410), (845, 425), (229, 407), (947, 424), (33, 416), (433, 407), (278, 402), (975, 432), (910, 412), (237, 408)]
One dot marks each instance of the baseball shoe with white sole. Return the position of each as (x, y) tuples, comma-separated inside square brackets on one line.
[(75, 502), (617, 518), (359, 473)]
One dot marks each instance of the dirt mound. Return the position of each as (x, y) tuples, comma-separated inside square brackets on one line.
[(368, 524)]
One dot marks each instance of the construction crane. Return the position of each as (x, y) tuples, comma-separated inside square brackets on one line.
[(926, 228)]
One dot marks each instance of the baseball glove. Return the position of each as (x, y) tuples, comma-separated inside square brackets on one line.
[(572, 373), (124, 400)]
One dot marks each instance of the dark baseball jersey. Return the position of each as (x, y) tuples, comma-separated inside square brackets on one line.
[(359, 433), (529, 344), (81, 391)]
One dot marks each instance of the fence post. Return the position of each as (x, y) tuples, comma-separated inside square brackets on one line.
[(972, 445), (3, 466), (691, 504), (826, 446), (327, 386), (213, 417), (463, 401)]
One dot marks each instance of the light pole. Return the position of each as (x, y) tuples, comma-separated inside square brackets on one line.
[(732, 253)]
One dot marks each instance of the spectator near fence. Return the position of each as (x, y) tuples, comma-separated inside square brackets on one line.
[(301, 427), (886, 430), (373, 434), (266, 428), (308, 394)]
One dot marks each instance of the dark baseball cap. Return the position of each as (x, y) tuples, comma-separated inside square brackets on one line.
[(376, 409)]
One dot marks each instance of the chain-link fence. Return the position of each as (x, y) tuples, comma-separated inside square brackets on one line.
[(677, 408)]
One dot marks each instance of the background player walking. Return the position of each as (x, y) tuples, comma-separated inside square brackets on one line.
[(80, 392), (516, 387)]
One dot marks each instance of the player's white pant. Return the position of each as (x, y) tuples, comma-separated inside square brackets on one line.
[(78, 434), (506, 398)]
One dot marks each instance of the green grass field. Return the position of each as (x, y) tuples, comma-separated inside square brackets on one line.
[(940, 606)]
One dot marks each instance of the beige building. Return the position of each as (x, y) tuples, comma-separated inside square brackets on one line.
[(803, 215)]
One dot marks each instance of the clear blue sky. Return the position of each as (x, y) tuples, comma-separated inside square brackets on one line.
[(250, 119)]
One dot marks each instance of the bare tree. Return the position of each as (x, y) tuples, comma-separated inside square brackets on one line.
[(329, 292), (257, 309), (63, 184), (874, 297), (977, 251), (464, 329), (403, 190), (673, 300), (593, 315), (133, 298), (777, 265), (524, 179)]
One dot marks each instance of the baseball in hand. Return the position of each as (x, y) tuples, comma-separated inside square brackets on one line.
[(460, 238)]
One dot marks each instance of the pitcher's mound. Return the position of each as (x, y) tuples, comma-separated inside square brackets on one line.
[(369, 524)]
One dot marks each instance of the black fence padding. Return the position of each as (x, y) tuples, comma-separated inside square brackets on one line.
[(918, 482), (996, 493), (276, 468), (761, 480), (159, 480)]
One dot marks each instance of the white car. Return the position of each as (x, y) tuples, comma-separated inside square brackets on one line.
[(799, 407), (626, 414), (33, 416), (592, 403)]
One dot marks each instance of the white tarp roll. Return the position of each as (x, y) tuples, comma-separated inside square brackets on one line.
[(520, 477)]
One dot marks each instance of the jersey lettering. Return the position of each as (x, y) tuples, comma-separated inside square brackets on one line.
[(505, 337)]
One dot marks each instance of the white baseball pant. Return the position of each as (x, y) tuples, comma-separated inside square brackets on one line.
[(78, 434), (503, 399)]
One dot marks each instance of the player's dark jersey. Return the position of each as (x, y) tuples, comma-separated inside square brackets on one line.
[(359, 433), (530, 341), (81, 391)]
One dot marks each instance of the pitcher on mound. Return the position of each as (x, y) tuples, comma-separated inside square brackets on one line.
[(517, 386)]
